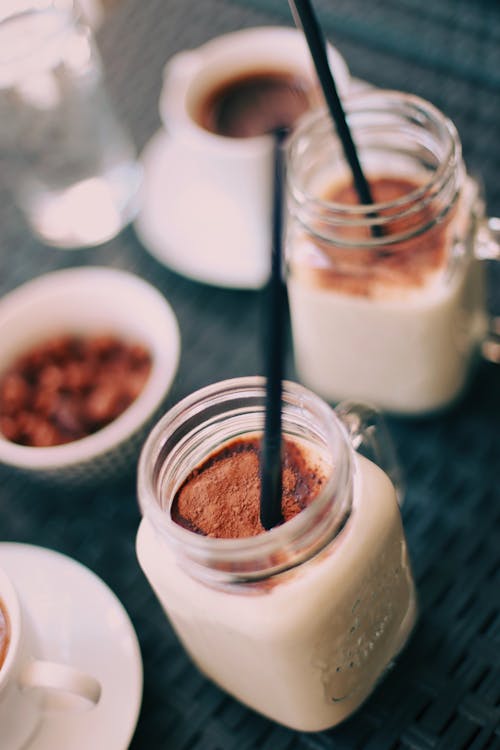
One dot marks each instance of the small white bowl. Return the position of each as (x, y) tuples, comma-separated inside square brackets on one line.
[(88, 301)]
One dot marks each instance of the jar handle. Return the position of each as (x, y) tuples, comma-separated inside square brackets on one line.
[(370, 437), (487, 248)]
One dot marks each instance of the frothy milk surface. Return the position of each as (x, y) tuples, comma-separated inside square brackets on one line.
[(405, 345), (308, 650)]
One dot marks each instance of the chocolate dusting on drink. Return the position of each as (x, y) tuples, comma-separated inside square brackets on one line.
[(221, 497), (372, 272), (255, 103)]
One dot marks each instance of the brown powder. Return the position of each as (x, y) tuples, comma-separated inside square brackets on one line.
[(221, 497), (367, 272)]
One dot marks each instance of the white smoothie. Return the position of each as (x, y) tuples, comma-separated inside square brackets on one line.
[(406, 349), (410, 355), (309, 649)]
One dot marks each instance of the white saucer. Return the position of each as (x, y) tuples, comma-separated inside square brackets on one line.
[(176, 225), (78, 620)]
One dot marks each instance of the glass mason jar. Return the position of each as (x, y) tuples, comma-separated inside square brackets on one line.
[(387, 300), (301, 621)]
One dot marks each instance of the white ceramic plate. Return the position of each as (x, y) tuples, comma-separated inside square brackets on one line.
[(79, 620)]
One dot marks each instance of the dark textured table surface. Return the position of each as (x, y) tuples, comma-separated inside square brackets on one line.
[(444, 693)]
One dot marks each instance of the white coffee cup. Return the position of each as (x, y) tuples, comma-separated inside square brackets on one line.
[(223, 187), (30, 686)]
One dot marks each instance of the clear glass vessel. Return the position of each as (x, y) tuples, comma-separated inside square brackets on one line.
[(64, 151), (387, 300), (301, 621)]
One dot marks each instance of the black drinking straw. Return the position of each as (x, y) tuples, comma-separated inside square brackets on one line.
[(305, 18), (275, 295)]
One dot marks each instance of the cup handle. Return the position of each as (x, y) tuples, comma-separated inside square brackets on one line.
[(51, 675), (487, 248), (370, 437)]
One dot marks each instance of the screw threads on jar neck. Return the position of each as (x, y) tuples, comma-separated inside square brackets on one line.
[(396, 134), (213, 417)]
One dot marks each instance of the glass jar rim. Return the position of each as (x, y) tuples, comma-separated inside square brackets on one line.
[(227, 549), (379, 101)]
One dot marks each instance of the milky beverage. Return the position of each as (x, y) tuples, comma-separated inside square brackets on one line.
[(393, 322), (304, 639)]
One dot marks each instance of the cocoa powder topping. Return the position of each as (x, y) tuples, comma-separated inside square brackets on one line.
[(369, 272), (221, 497)]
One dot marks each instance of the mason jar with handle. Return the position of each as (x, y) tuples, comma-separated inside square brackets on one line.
[(299, 622), (387, 300)]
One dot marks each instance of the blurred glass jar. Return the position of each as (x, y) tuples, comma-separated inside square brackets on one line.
[(387, 300), (67, 157)]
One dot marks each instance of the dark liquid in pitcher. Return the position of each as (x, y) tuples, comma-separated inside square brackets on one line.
[(254, 104)]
